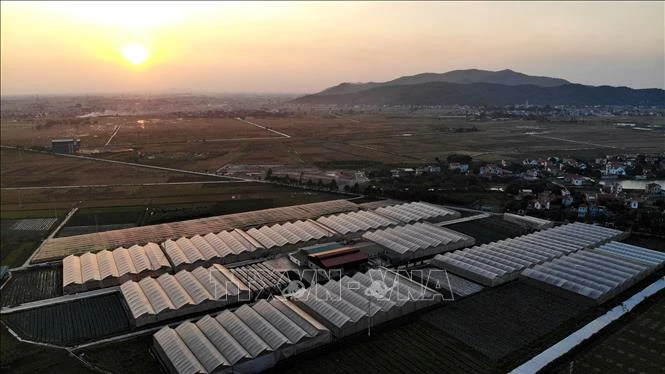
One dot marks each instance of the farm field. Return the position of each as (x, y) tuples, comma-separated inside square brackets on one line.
[(48, 200), (17, 245), (20, 358), (487, 230), (128, 356), (314, 138), (29, 169), (422, 348), (79, 321), (132, 131), (501, 321), (31, 285), (636, 345)]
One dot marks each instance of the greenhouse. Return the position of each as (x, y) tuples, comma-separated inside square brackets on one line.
[(224, 247), (348, 223), (249, 340), (598, 274), (419, 240), (417, 211), (353, 303), (499, 262), (111, 268), (169, 296), (634, 253)]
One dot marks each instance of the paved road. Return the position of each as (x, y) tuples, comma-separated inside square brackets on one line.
[(263, 127), (117, 128)]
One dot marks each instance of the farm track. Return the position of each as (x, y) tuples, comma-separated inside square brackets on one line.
[(264, 128)]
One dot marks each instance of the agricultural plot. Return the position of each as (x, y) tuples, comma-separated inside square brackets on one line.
[(500, 321), (28, 169), (16, 246), (35, 224), (487, 230), (128, 356), (637, 347), (24, 358), (422, 348), (31, 285), (73, 322)]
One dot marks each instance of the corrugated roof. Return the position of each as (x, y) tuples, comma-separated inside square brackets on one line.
[(57, 248), (213, 344), (499, 262), (78, 270)]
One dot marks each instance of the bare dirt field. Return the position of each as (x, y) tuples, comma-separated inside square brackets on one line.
[(27, 169), (206, 144)]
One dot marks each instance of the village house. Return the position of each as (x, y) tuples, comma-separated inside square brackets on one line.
[(402, 172), (432, 169), (614, 168), (491, 170), (463, 168), (652, 188), (567, 200), (582, 211)]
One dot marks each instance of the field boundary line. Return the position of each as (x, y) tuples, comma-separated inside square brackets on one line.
[(263, 127), (117, 128)]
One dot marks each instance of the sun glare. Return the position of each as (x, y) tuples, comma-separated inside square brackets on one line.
[(135, 53)]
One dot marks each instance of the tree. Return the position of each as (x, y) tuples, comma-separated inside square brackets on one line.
[(269, 174), (310, 184), (355, 188), (320, 184), (347, 188), (333, 185), (462, 159)]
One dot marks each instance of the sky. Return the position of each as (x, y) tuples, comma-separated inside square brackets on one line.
[(303, 47)]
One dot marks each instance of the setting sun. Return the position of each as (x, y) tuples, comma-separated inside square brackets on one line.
[(135, 53)]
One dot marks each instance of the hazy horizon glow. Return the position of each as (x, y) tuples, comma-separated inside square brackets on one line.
[(298, 47)]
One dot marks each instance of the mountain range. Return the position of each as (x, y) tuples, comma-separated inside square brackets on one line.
[(481, 87)]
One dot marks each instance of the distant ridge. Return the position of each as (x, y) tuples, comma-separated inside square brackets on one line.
[(506, 77), (481, 87)]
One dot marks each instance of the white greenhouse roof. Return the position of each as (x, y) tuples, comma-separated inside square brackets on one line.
[(599, 274), (109, 266), (417, 211), (499, 262), (419, 239), (208, 248), (214, 344), (150, 296), (631, 252), (346, 223), (344, 305)]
